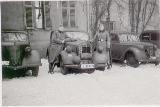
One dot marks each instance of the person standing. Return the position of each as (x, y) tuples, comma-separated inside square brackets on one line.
[(59, 37), (102, 39)]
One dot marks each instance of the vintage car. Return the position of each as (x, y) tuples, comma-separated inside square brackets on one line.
[(132, 51), (17, 53), (79, 54), (152, 36)]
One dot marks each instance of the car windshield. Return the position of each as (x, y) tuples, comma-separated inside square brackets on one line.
[(78, 35), (128, 38), (150, 37), (14, 37)]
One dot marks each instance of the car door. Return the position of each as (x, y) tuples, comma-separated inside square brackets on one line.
[(115, 46)]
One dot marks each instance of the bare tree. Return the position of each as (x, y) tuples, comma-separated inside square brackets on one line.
[(131, 15), (141, 12), (100, 8), (147, 13)]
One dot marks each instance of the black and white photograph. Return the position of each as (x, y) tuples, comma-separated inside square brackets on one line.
[(80, 52)]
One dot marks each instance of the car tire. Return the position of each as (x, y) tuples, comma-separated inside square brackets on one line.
[(89, 71), (101, 68), (131, 60), (35, 71), (156, 63)]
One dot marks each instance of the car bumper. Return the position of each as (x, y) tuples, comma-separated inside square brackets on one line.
[(92, 66), (100, 65), (20, 67), (88, 66), (151, 60)]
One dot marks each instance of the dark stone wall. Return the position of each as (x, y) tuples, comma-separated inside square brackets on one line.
[(12, 16)]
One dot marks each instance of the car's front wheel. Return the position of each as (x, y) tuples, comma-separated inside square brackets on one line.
[(35, 71), (156, 63), (131, 60), (101, 68), (89, 71)]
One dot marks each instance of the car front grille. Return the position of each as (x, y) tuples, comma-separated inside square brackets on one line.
[(86, 61), (86, 49), (85, 52), (15, 55)]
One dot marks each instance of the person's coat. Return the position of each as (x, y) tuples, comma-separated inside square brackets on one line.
[(102, 39), (56, 45)]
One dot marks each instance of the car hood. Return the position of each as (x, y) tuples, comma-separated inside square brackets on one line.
[(139, 43), (77, 43)]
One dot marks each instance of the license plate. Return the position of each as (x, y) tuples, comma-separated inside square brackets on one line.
[(85, 66), (5, 62)]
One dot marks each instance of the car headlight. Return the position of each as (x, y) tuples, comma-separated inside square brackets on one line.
[(28, 49), (68, 49), (100, 49), (155, 46), (157, 53), (76, 60)]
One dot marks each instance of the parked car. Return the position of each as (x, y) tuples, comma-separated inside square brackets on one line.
[(152, 36), (133, 52), (79, 54), (17, 53)]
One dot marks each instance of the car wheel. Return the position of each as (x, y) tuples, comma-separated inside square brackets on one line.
[(101, 68), (64, 70), (89, 71), (35, 71), (156, 63), (131, 60)]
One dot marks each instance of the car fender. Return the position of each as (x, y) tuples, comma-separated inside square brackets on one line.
[(32, 59), (66, 58), (139, 53), (100, 58)]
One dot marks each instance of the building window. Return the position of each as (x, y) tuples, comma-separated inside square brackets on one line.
[(47, 14), (37, 14), (38, 8), (29, 14), (68, 13)]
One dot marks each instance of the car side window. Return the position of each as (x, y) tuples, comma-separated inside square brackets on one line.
[(145, 36), (154, 36), (114, 38)]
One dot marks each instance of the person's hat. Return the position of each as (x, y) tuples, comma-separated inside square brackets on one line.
[(101, 27), (61, 28)]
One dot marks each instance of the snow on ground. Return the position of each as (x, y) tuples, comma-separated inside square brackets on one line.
[(120, 85)]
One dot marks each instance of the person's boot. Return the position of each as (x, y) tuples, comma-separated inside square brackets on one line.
[(51, 68), (108, 66)]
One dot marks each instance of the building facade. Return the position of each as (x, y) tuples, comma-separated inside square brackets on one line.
[(40, 17)]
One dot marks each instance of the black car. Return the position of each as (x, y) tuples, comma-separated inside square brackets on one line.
[(128, 48), (17, 54), (152, 36), (79, 54)]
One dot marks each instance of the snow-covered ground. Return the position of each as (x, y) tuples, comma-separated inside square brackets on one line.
[(120, 85)]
